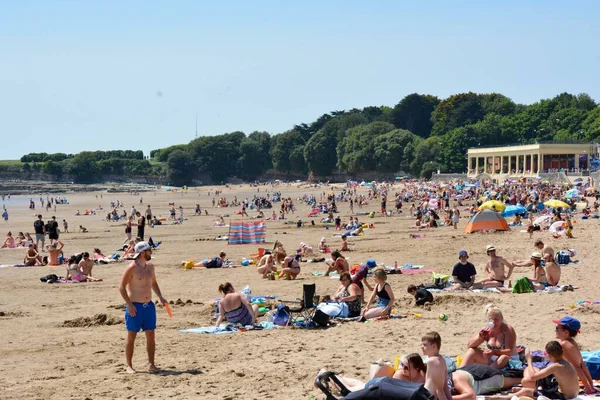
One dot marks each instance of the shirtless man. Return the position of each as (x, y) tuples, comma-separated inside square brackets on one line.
[(566, 330), (495, 270), (436, 379), (266, 264), (339, 263), (85, 267), (136, 289), (565, 376)]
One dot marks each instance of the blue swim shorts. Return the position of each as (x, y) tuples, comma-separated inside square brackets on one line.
[(145, 317)]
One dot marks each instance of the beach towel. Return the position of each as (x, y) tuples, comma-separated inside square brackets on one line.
[(230, 328), (18, 265)]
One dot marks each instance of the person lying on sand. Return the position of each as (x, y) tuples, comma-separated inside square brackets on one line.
[(495, 270), (499, 338), (215, 262)]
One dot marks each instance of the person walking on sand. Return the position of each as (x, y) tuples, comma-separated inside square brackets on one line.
[(137, 284)]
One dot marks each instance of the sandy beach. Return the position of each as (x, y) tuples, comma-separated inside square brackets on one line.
[(47, 353)]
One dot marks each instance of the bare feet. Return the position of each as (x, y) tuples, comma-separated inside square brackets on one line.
[(130, 370), (153, 368)]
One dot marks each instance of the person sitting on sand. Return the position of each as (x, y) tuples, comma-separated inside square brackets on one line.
[(20, 240), (346, 302), (565, 384), (305, 250), (266, 265), (9, 242), (291, 267), (463, 272), (220, 222), (83, 229), (81, 272), (385, 297), (338, 263), (32, 257), (500, 339), (235, 308), (323, 248), (553, 271), (495, 270), (345, 244), (54, 252), (422, 296), (566, 330)]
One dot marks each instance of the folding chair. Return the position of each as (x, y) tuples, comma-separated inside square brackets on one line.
[(306, 305)]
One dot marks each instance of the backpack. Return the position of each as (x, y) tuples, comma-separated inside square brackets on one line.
[(282, 315), (563, 257), (49, 278)]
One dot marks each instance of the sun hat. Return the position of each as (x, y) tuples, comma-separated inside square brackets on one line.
[(536, 255), (570, 323), (371, 263), (140, 248), (489, 248), (463, 253), (323, 239)]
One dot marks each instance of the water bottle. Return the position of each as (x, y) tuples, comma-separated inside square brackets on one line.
[(247, 292)]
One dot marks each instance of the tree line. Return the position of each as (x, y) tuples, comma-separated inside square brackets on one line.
[(417, 136)]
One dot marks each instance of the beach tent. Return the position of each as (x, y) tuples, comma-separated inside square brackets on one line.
[(247, 232), (486, 220)]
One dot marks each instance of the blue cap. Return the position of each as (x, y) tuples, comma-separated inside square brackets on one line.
[(463, 253), (371, 263), (570, 323)]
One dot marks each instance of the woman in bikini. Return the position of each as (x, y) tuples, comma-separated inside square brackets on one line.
[(9, 242), (540, 281), (500, 339), (235, 308), (291, 267)]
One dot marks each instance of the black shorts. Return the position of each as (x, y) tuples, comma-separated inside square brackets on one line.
[(53, 236)]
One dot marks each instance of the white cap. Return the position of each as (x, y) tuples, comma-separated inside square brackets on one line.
[(140, 248)]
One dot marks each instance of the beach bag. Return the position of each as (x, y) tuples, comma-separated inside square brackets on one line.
[(563, 257), (189, 264), (523, 285), (49, 278), (440, 281), (282, 315), (320, 318)]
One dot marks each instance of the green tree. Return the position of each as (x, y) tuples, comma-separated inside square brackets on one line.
[(591, 125), (429, 168), (282, 146), (495, 103), (425, 151), (390, 148), (356, 151), (413, 113), (319, 152), (82, 168), (456, 111), (52, 168), (180, 167)]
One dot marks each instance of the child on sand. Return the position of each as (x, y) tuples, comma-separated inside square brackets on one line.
[(564, 385), (422, 296), (436, 379)]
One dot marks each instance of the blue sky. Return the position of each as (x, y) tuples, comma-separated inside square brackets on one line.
[(100, 75)]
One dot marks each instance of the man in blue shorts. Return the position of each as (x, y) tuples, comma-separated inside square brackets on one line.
[(140, 313)]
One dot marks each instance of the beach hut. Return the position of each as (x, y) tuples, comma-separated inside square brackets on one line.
[(486, 220)]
